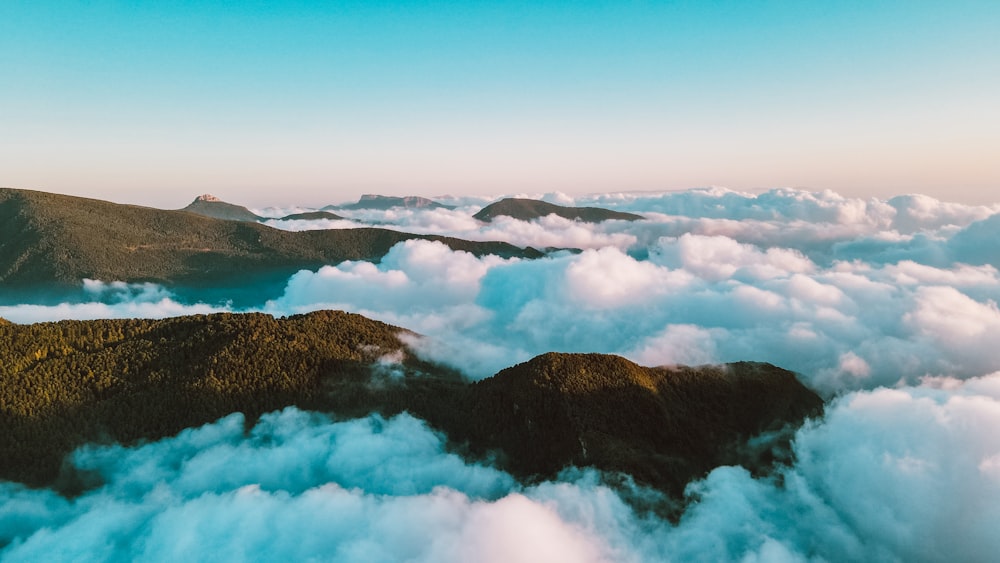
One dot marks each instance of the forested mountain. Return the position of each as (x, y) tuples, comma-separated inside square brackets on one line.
[(528, 209), (72, 382), (57, 239), (211, 206)]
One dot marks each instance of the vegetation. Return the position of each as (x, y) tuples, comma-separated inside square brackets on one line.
[(528, 209), (661, 425), (72, 382), (57, 239), (211, 206)]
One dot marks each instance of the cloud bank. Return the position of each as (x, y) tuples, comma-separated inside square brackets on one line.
[(891, 475), (853, 294), (696, 298), (889, 307)]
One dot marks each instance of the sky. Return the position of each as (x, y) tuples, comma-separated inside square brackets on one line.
[(297, 102)]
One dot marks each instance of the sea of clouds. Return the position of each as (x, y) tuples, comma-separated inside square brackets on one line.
[(889, 307), (904, 474)]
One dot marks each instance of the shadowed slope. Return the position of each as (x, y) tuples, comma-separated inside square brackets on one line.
[(68, 383), (661, 425)]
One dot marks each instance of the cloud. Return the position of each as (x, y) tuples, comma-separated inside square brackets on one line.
[(839, 289), (898, 474), (843, 325), (109, 300), (849, 326), (887, 307), (299, 486)]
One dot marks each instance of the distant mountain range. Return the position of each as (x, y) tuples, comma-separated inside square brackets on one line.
[(528, 209), (517, 208), (73, 382), (383, 202), (57, 239), (210, 206)]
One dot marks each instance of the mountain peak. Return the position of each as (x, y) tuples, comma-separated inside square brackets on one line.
[(376, 201), (529, 209), (211, 206)]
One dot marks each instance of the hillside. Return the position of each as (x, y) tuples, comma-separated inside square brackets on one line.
[(528, 209), (311, 216), (72, 382), (383, 202), (211, 206), (50, 239)]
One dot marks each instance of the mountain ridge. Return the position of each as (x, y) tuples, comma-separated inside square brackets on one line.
[(58, 240), (384, 202), (67, 383), (528, 209)]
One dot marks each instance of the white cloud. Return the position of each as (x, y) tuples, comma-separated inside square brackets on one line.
[(891, 474), (298, 487), (113, 300), (888, 305)]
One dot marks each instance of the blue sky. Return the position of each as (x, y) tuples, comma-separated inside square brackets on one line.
[(317, 102)]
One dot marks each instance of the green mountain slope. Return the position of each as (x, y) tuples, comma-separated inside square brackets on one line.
[(211, 206), (72, 382), (56, 239)]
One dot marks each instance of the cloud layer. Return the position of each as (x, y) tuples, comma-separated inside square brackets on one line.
[(891, 475), (889, 307), (851, 293)]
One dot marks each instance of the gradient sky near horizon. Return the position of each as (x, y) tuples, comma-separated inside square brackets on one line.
[(310, 103)]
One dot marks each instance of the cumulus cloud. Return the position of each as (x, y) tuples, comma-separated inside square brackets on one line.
[(851, 293), (889, 307), (892, 475), (298, 487), (824, 226)]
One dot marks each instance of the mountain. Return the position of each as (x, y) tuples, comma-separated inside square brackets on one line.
[(51, 239), (211, 206), (382, 202), (72, 382), (528, 209), (311, 216), (661, 425)]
